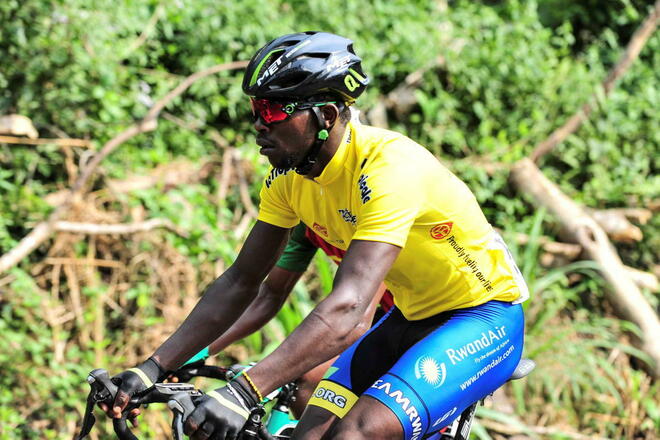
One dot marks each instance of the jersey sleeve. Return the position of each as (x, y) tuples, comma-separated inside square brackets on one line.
[(390, 193), (298, 252), (274, 207)]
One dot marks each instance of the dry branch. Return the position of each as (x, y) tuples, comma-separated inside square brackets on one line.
[(635, 45), (243, 188), (118, 229), (615, 223), (44, 229), (570, 251), (402, 98), (148, 29), (581, 228), (42, 141), (169, 175), (645, 280), (59, 261)]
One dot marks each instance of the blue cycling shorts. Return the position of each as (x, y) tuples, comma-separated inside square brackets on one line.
[(428, 371)]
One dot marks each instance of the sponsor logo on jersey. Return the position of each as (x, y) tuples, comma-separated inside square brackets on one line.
[(404, 402), (331, 396), (486, 340), (320, 229), (274, 173), (334, 397), (441, 230), (365, 191), (348, 216), (432, 371)]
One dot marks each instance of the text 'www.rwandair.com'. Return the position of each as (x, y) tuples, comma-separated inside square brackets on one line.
[(487, 368)]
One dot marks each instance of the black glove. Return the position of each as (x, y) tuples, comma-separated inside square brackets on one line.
[(221, 414), (135, 380)]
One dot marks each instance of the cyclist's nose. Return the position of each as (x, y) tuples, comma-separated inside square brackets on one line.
[(259, 124)]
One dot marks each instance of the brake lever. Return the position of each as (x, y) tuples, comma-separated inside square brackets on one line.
[(182, 406), (101, 389), (251, 430)]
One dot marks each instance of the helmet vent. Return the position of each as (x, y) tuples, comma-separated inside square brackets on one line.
[(290, 81), (320, 55)]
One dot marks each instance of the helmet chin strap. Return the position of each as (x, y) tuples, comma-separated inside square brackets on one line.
[(306, 164)]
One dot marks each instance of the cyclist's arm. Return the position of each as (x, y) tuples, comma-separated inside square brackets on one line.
[(336, 322), (295, 258), (272, 294), (226, 298)]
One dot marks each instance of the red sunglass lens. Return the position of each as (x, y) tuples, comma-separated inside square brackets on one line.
[(268, 111)]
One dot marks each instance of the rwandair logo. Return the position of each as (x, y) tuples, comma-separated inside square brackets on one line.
[(431, 371)]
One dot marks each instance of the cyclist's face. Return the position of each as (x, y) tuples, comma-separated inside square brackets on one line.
[(286, 143)]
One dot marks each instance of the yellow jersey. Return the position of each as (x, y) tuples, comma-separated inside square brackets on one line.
[(382, 186)]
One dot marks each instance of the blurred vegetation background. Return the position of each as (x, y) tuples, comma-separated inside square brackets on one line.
[(486, 81)]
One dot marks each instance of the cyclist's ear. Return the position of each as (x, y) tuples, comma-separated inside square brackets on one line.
[(330, 114)]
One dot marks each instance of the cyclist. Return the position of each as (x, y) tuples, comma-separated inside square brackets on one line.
[(296, 257), (456, 331)]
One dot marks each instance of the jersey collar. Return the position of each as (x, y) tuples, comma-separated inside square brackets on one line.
[(336, 164)]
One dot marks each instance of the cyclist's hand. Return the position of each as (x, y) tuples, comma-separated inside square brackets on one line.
[(221, 414), (131, 382)]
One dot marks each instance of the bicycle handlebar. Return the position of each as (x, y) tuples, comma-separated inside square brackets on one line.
[(180, 398), (104, 390)]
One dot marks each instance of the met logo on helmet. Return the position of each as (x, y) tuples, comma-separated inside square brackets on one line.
[(276, 64), (337, 63), (271, 70)]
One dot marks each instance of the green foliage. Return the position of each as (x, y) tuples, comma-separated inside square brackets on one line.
[(511, 72)]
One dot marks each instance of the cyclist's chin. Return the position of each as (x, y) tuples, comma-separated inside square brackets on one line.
[(278, 160)]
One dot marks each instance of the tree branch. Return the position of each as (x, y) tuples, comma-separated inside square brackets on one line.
[(635, 45), (151, 24), (581, 228), (59, 142), (44, 229), (118, 229)]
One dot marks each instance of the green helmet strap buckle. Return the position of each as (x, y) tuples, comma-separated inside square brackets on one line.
[(323, 135)]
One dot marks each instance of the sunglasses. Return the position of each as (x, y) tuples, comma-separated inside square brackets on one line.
[(278, 111)]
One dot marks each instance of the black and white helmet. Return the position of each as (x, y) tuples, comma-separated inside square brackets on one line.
[(306, 64)]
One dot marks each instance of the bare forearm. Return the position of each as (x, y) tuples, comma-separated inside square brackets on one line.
[(255, 317), (272, 294), (336, 322), (226, 298), (326, 332)]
